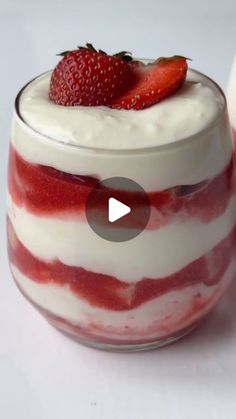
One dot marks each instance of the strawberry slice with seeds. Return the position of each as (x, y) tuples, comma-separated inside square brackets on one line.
[(90, 78), (155, 82)]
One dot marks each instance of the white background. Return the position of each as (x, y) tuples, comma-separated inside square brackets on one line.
[(43, 375)]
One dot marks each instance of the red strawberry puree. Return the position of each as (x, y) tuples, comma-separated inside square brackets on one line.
[(97, 117), (44, 191)]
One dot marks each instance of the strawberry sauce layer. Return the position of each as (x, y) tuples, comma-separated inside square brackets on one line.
[(46, 191), (108, 292)]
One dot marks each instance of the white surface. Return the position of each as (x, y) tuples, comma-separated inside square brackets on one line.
[(43, 375), (189, 111), (117, 210)]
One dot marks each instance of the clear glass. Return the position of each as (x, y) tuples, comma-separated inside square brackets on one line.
[(148, 291)]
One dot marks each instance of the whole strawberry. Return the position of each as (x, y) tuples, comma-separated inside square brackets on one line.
[(90, 78)]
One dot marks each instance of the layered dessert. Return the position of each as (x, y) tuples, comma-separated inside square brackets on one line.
[(159, 124)]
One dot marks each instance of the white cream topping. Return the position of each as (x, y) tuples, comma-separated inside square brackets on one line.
[(185, 162), (159, 316), (156, 169), (152, 254), (231, 94), (189, 111)]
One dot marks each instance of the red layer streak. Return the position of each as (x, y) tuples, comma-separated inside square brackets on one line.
[(109, 292), (48, 191)]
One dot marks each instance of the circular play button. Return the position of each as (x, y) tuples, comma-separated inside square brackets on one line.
[(117, 209)]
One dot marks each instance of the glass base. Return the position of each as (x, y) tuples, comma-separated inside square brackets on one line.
[(79, 335), (126, 348)]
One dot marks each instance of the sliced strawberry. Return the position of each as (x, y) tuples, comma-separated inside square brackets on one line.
[(155, 82)]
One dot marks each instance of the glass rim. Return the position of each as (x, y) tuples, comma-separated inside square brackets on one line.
[(125, 151)]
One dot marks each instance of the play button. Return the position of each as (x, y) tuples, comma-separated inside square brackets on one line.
[(117, 209)]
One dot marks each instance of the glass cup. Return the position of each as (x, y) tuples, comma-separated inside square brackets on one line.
[(138, 294)]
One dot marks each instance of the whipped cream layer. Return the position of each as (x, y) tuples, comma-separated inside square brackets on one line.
[(160, 316), (186, 163), (152, 254), (181, 115)]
